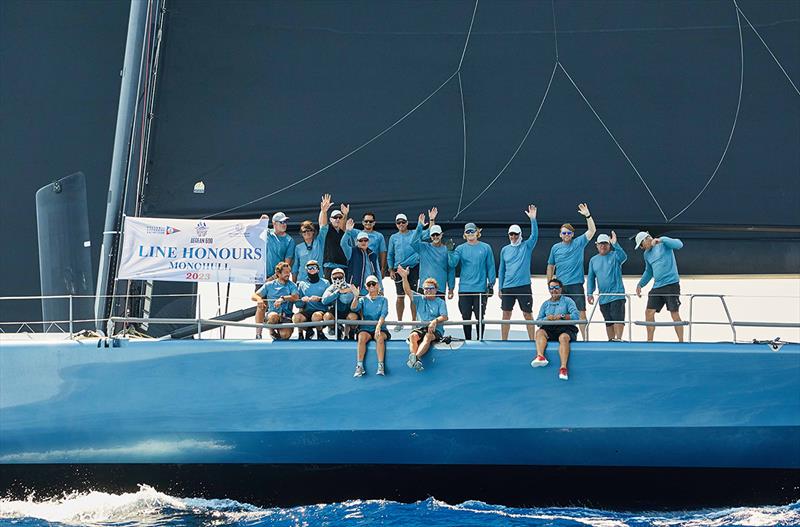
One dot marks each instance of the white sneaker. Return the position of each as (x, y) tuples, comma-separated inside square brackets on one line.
[(399, 327), (359, 371), (563, 374), (412, 359), (539, 361), (381, 370), (418, 366)]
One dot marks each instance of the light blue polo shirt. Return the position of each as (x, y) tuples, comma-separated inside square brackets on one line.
[(372, 309), (564, 306), (477, 267), (428, 309), (273, 290), (660, 263), (568, 259), (607, 272)]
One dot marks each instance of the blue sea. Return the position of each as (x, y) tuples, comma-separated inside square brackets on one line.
[(148, 507)]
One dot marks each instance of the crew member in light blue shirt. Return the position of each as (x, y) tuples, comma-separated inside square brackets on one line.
[(434, 262), (377, 241), (660, 265), (401, 253), (312, 309), (277, 297), (372, 306), (605, 268), (312, 247), (431, 311), (339, 295), (477, 278), (557, 308), (280, 246), (515, 273), (566, 261)]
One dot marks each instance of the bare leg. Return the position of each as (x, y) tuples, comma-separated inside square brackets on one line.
[(676, 317), (618, 330), (425, 346), (505, 327), (400, 306), (541, 342), (413, 343), (361, 346), (380, 346), (650, 316), (610, 331), (348, 330), (298, 318), (260, 315), (582, 327), (563, 349), (530, 327)]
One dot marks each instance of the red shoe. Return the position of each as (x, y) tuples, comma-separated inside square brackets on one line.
[(563, 374), (539, 361)]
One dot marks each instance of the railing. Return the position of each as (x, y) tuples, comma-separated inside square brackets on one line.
[(199, 322)]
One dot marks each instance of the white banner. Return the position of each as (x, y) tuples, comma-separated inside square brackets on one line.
[(193, 250)]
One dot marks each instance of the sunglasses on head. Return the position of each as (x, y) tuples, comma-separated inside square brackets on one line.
[(566, 233), (371, 284), (554, 287), (470, 231), (428, 288), (367, 221), (312, 268)]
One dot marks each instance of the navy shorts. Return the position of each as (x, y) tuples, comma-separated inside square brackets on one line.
[(577, 294), (613, 311), (413, 280), (521, 294), (667, 294), (371, 332), (421, 332)]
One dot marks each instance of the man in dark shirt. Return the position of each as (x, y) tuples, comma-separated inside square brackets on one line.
[(334, 257)]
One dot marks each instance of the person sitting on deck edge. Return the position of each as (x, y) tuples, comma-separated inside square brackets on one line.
[(372, 306), (431, 310), (557, 307), (280, 294)]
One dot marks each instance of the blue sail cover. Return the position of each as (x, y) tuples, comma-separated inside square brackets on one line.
[(658, 114)]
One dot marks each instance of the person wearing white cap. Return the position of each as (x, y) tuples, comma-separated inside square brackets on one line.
[(434, 261), (361, 261), (566, 261), (514, 276), (280, 248), (399, 253), (312, 309), (339, 295), (477, 277), (312, 247), (605, 268), (661, 266), (333, 256), (372, 306)]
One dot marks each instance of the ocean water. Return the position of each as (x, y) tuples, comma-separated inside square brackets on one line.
[(148, 507)]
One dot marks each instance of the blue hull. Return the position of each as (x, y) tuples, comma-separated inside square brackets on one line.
[(626, 406)]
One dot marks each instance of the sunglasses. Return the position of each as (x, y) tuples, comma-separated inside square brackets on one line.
[(306, 230), (372, 284), (365, 240), (554, 287), (368, 221), (566, 233), (400, 222), (471, 231), (312, 268), (429, 288), (515, 234), (336, 217), (281, 222)]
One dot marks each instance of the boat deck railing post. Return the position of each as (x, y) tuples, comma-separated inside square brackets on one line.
[(480, 316), (71, 325), (591, 316)]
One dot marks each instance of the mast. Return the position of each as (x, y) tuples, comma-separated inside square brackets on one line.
[(120, 162)]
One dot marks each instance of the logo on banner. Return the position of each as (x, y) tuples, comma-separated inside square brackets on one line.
[(158, 229), (201, 229)]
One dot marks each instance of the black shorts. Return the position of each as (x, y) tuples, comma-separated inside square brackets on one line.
[(521, 294), (613, 311), (424, 331), (284, 319), (667, 294), (385, 332), (308, 314), (413, 280), (577, 294), (553, 332)]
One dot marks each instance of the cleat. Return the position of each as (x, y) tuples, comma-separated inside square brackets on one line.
[(412, 359), (418, 366), (360, 371), (563, 374), (399, 327), (381, 369), (539, 361)]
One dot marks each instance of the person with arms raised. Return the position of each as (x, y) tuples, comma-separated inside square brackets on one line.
[(312, 247), (361, 260), (605, 268), (514, 276), (434, 261), (431, 311)]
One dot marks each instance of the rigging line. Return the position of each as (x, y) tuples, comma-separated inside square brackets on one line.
[(739, 11), (519, 147), (555, 28), (342, 158), (469, 33), (735, 118), (464, 160), (615, 141)]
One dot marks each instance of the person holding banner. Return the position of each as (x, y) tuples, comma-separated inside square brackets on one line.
[(277, 296), (312, 247), (311, 307)]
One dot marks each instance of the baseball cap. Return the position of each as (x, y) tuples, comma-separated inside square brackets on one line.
[(436, 230), (372, 278), (401, 216), (280, 216), (362, 236), (312, 262), (337, 270), (336, 214), (470, 227), (640, 238), (603, 238), (515, 228)]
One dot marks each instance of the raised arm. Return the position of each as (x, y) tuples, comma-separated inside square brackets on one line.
[(330, 295), (403, 272), (531, 214), (416, 238), (324, 205), (670, 243), (354, 302), (348, 239), (583, 209), (619, 252)]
